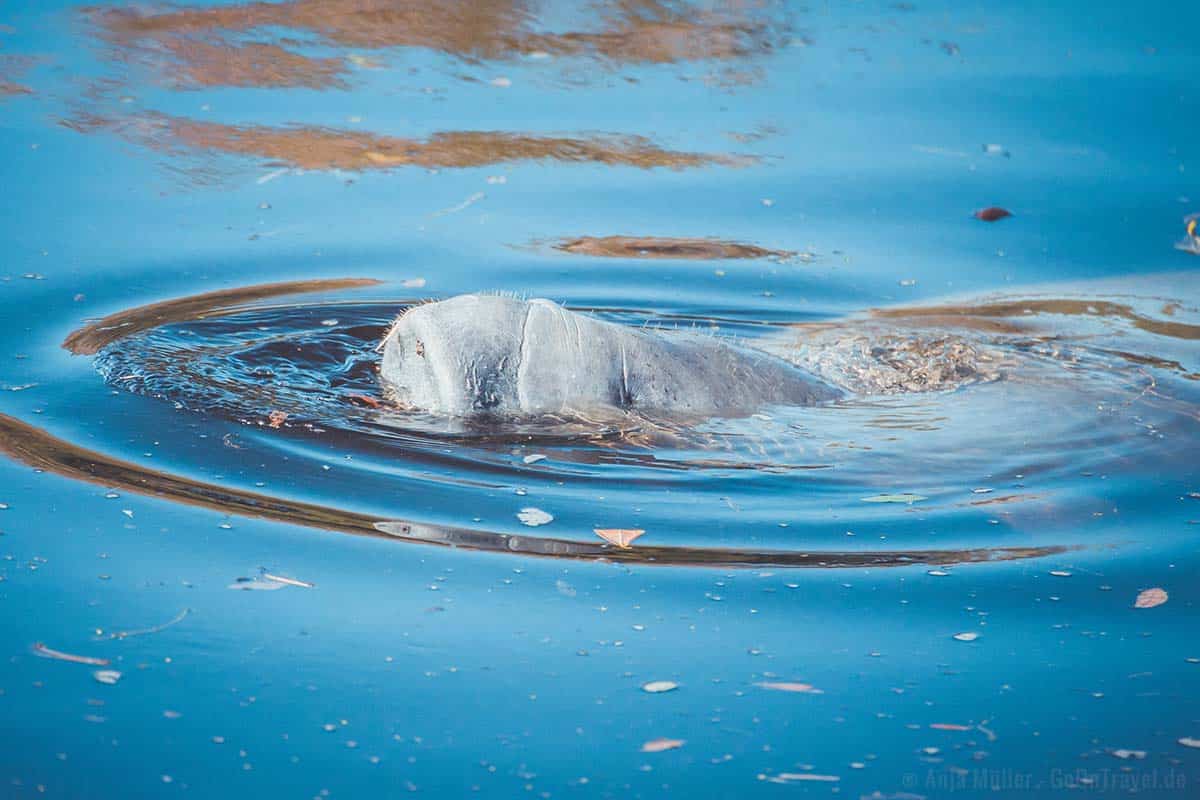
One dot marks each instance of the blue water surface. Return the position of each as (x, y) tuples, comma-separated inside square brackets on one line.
[(864, 137)]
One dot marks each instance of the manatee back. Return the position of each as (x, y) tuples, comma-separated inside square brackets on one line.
[(704, 375)]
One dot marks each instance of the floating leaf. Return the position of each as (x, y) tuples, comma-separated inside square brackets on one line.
[(992, 213), (786, 686), (658, 687), (365, 400), (894, 498), (1150, 598), (661, 745), (1134, 754), (534, 516), (107, 676), (621, 537)]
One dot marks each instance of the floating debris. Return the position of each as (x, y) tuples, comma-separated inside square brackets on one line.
[(1060, 573), (968, 636), (534, 517), (364, 400), (106, 676), (1190, 243), (454, 209), (662, 745), (786, 686), (949, 726), (992, 213), (788, 777), (1188, 741), (1126, 754), (621, 537), (658, 687), (256, 585), (1150, 598), (286, 581), (534, 458), (175, 620), (276, 418), (46, 652), (413, 283), (894, 498)]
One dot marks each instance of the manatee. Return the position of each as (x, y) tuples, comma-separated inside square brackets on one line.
[(482, 355)]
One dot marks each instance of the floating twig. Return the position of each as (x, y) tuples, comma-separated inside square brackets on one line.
[(143, 631), (45, 652), (288, 581)]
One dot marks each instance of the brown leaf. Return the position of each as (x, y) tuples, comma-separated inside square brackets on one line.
[(364, 400), (660, 745), (621, 537), (992, 213), (1150, 598)]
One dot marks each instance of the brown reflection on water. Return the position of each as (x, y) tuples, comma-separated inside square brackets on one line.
[(661, 247), (40, 450), (317, 148), (184, 44), (90, 338), (978, 315), (11, 70), (201, 64)]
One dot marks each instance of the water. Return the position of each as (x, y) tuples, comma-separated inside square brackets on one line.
[(444, 645)]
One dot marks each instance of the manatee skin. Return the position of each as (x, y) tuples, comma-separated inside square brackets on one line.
[(476, 355)]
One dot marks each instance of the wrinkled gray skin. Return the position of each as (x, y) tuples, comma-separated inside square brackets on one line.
[(490, 355)]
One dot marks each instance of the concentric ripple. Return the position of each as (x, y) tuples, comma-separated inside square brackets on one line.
[(931, 477)]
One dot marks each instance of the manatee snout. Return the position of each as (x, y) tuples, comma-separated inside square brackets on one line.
[(481, 354), (457, 357)]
